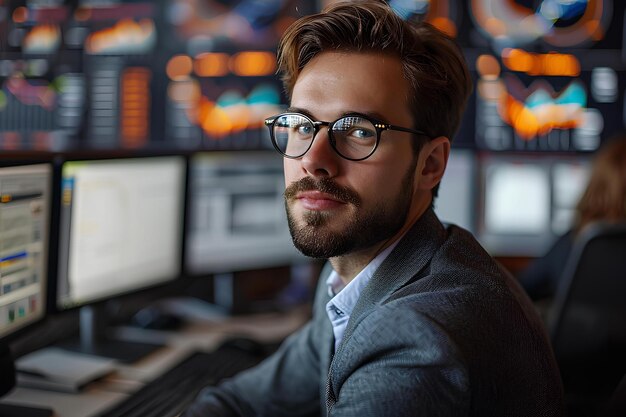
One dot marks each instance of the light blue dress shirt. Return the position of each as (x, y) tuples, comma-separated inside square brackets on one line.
[(344, 297)]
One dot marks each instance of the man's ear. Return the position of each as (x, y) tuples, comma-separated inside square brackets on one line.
[(434, 155)]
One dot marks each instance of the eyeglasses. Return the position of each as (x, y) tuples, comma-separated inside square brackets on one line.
[(354, 137)]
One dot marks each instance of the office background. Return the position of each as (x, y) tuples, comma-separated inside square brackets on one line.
[(83, 82), (190, 76)]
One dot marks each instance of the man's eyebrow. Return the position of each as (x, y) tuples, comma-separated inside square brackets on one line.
[(368, 114), (299, 110)]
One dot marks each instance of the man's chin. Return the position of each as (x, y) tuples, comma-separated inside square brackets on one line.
[(318, 245), (314, 253), (316, 219)]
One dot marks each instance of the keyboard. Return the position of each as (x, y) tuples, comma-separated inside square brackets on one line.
[(169, 394)]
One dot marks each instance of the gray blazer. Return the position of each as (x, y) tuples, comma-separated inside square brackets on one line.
[(440, 330)]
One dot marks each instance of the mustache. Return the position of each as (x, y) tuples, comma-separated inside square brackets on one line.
[(324, 185)]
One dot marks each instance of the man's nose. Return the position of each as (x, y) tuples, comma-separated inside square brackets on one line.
[(321, 159)]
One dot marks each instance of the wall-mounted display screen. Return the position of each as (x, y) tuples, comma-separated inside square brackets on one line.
[(549, 76)]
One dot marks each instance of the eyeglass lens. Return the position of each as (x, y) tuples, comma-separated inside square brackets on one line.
[(352, 137)]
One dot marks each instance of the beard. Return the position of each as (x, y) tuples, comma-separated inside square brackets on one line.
[(314, 236)]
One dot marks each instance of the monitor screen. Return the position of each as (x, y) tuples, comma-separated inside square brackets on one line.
[(25, 201), (517, 198), (515, 219), (455, 199), (121, 223), (139, 74), (528, 201), (548, 82), (198, 74), (237, 217)]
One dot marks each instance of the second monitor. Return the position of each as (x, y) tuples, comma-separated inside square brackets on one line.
[(121, 230), (237, 218)]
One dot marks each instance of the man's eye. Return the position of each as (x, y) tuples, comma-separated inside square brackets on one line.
[(304, 129), (361, 133)]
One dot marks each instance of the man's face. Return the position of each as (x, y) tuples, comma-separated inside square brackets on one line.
[(336, 206)]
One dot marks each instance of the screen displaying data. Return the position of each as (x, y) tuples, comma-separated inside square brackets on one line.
[(25, 202), (550, 76), (526, 203), (121, 223), (139, 74), (237, 218)]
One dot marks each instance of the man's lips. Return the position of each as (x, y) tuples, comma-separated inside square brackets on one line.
[(320, 194), (316, 200)]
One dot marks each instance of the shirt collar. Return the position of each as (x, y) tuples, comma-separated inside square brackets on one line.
[(344, 297)]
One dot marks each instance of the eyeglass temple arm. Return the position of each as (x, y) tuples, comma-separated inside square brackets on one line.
[(400, 128)]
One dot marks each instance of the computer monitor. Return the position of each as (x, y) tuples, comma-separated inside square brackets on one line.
[(25, 202), (237, 224), (121, 230), (237, 217), (25, 206), (516, 206), (528, 200), (457, 193)]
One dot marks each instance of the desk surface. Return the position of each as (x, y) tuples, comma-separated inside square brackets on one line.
[(100, 395)]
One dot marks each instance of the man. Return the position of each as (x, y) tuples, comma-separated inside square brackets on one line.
[(410, 317)]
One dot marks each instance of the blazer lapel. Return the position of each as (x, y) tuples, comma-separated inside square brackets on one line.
[(409, 257), (327, 343)]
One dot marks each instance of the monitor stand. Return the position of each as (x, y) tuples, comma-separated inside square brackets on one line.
[(95, 339)]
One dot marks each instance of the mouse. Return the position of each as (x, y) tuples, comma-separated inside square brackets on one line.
[(154, 318)]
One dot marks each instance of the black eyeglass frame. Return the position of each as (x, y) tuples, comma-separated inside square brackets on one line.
[(378, 125)]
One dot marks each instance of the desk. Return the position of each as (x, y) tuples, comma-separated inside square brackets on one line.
[(100, 395)]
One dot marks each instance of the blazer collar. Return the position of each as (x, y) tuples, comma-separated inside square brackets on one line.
[(408, 258)]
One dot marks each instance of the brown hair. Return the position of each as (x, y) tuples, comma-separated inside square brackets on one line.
[(433, 64), (604, 198)]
